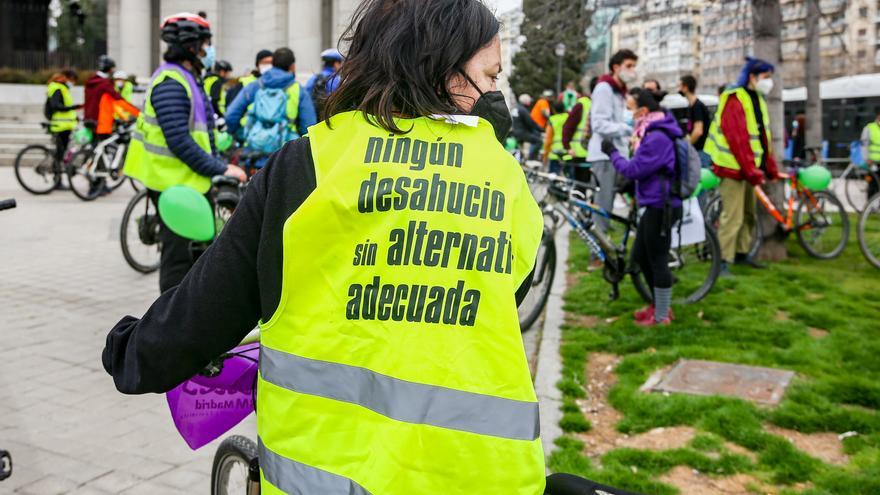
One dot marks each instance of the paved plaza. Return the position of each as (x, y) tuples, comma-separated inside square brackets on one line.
[(63, 284)]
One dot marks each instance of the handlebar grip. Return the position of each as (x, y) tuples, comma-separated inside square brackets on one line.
[(7, 204)]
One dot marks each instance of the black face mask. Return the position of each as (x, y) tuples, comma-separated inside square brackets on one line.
[(492, 107)]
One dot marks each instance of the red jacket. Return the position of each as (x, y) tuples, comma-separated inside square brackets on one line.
[(733, 125), (100, 100)]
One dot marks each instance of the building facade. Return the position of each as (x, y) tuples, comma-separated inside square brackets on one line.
[(241, 28), (511, 42)]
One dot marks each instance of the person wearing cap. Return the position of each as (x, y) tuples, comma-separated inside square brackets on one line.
[(323, 83), (741, 149), (215, 80), (173, 143), (262, 64), (102, 101)]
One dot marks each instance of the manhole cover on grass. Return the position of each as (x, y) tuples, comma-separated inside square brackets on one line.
[(761, 385)]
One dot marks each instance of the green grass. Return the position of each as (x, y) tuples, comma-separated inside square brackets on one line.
[(759, 318)]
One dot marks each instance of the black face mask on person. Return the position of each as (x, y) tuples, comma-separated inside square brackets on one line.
[(492, 107)]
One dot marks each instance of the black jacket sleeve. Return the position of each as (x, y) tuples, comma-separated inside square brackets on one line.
[(236, 282)]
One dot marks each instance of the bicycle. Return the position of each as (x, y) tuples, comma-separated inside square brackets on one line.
[(695, 266), (815, 219), (869, 231), (97, 170), (37, 169), (860, 179)]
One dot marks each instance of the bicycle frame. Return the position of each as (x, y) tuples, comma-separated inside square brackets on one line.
[(787, 221)]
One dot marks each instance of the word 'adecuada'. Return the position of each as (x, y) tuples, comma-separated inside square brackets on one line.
[(413, 303)]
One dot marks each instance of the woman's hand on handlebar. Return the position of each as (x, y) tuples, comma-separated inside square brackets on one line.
[(237, 172)]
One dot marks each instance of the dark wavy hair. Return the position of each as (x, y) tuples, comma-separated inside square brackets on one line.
[(402, 55)]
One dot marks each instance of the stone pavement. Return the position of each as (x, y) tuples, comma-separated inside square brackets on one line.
[(63, 285)]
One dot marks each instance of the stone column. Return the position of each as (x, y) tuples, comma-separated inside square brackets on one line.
[(304, 28), (128, 35)]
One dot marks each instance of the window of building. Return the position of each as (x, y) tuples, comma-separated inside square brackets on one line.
[(863, 33), (863, 12), (861, 53)]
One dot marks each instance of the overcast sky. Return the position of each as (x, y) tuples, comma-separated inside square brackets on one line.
[(504, 5)]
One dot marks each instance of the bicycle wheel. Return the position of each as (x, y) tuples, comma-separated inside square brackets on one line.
[(822, 225), (83, 182), (869, 231), (139, 234), (542, 281), (855, 187), (695, 269), (229, 474), (35, 169)]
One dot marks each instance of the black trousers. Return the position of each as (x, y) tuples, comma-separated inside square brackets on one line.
[(62, 140), (567, 484), (176, 258), (653, 240)]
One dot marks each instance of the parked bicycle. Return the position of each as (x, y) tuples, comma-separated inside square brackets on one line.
[(869, 231), (861, 181), (811, 211), (695, 265), (36, 167), (96, 170)]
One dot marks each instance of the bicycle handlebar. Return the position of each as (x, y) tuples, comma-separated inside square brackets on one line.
[(7, 204)]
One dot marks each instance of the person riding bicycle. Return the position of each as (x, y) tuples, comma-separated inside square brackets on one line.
[(384, 254), (173, 143), (325, 82), (278, 110), (215, 80), (651, 167), (741, 149), (102, 100), (61, 111)]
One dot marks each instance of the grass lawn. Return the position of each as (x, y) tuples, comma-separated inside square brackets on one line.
[(776, 318)]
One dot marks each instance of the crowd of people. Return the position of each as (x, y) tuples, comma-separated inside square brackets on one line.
[(616, 132)]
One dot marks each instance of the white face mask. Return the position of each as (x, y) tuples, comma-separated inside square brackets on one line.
[(263, 68), (628, 76), (764, 86), (628, 118)]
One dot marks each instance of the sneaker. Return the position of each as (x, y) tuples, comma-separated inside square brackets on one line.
[(725, 271), (644, 313), (652, 322)]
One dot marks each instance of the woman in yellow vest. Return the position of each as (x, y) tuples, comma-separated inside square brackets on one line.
[(555, 155), (741, 149), (61, 111)]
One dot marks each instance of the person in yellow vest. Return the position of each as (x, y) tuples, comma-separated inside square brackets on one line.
[(173, 141), (741, 149), (384, 255), (555, 155), (124, 86), (871, 150), (576, 133), (215, 85), (61, 112)]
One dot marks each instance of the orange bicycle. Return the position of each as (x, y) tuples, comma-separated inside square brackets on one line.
[(819, 220)]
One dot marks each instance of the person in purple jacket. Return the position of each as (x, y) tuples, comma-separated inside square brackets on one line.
[(652, 168)]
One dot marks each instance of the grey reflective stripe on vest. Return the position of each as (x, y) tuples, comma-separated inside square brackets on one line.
[(401, 400), (297, 478), (152, 148), (722, 149)]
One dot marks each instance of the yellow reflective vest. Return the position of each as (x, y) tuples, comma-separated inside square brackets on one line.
[(209, 82), (557, 151), (576, 141), (394, 364), (717, 146), (64, 120), (874, 144), (149, 159)]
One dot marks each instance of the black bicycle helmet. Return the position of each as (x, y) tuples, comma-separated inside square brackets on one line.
[(222, 65), (106, 64), (182, 28)]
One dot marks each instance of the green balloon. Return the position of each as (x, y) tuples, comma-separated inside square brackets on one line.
[(223, 141), (510, 144), (708, 180), (815, 177), (187, 213), (83, 135)]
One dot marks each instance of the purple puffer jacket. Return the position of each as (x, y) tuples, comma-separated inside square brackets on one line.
[(653, 163)]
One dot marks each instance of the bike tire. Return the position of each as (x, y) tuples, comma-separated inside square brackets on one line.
[(542, 281), (124, 234), (137, 186), (850, 182), (869, 220), (824, 198), (82, 185), (709, 249), (233, 451), (42, 153)]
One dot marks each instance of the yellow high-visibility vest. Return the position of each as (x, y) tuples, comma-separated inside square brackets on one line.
[(717, 146)]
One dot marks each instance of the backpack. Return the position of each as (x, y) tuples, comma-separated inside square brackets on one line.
[(320, 93), (268, 125), (686, 176)]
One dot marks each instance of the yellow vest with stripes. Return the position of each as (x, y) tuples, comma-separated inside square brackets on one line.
[(717, 146), (209, 83), (557, 151), (150, 161), (874, 145), (64, 120), (394, 363), (576, 141)]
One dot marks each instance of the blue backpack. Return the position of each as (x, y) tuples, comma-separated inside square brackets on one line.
[(268, 127)]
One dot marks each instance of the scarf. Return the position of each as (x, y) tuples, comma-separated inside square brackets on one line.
[(642, 126)]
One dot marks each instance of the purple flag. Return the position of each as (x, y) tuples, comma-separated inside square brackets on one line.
[(205, 408)]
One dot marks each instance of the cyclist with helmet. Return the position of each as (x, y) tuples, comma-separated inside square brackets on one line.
[(173, 143), (215, 80), (325, 82), (102, 101)]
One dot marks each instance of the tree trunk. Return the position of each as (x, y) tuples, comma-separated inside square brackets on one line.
[(767, 33), (813, 73)]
